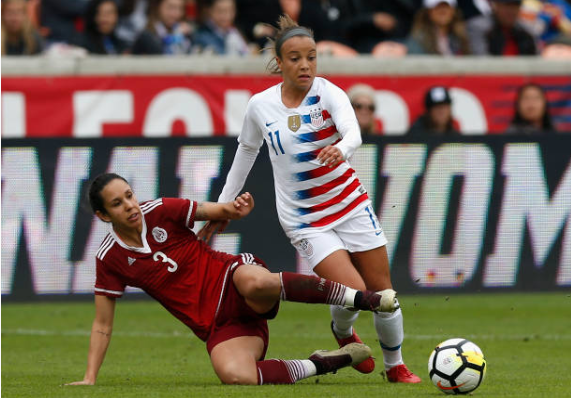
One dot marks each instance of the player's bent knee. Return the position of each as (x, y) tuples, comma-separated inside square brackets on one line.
[(237, 375), (260, 285), (267, 282)]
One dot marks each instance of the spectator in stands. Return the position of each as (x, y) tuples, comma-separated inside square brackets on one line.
[(254, 18), (437, 120), (100, 23), (362, 97), (376, 21), (358, 24), (329, 20), (546, 19), (389, 49), (502, 33), (63, 20), (132, 20), (166, 31), (474, 8), (438, 29), (558, 48), (291, 8), (192, 9), (218, 33), (531, 112), (19, 37)]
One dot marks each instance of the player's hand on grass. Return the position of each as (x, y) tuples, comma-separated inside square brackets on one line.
[(81, 383), (210, 228)]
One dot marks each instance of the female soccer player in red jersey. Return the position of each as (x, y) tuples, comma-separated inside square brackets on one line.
[(225, 299), (311, 130)]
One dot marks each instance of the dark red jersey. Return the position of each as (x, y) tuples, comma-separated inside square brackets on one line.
[(180, 271)]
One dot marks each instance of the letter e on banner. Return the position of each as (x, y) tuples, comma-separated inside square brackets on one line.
[(91, 109)]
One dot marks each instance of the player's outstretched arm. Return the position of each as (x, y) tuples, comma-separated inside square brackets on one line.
[(240, 207), (218, 215), (210, 228), (100, 338)]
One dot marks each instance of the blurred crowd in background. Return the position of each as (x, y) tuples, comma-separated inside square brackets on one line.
[(344, 28), (531, 115)]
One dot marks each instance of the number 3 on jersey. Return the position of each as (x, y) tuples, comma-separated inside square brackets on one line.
[(163, 257), (277, 134)]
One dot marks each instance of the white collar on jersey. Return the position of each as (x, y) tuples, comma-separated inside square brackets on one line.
[(145, 249)]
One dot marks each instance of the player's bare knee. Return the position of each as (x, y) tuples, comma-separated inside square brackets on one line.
[(236, 375), (256, 282), (259, 285)]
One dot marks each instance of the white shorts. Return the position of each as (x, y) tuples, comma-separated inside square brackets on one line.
[(359, 233)]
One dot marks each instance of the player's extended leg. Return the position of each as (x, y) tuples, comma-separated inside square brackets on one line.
[(338, 267), (262, 289), (236, 361), (373, 265)]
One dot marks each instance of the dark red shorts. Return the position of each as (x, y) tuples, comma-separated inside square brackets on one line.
[(235, 318)]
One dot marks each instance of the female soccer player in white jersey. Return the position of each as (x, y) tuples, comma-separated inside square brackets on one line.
[(311, 130), (225, 299)]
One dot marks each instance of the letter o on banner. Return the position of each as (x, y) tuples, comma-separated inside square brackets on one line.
[(178, 104), (393, 111), (468, 112)]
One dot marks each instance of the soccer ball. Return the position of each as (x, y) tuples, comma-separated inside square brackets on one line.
[(457, 366)]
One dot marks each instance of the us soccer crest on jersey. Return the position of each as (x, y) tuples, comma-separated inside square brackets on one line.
[(316, 117)]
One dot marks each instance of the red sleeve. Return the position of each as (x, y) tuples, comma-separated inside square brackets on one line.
[(180, 210), (107, 283)]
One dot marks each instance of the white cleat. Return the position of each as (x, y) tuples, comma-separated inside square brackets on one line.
[(389, 302)]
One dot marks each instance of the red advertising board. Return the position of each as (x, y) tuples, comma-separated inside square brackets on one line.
[(206, 105)]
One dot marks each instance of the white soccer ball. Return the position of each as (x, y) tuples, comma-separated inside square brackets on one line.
[(457, 366)]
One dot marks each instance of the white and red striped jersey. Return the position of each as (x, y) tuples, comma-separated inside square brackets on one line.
[(180, 271), (309, 196)]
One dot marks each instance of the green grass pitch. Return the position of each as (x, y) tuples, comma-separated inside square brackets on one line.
[(526, 339)]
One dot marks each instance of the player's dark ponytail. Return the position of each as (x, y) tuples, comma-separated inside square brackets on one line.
[(97, 185)]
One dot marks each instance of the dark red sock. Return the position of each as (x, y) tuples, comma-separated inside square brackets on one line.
[(273, 371), (311, 289)]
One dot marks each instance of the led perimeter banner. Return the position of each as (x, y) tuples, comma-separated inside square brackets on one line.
[(477, 213)]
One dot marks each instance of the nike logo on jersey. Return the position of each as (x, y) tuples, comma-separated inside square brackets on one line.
[(131, 260), (269, 124)]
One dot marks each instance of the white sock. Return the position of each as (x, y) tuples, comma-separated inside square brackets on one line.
[(390, 330), (343, 320), (300, 368), (349, 299)]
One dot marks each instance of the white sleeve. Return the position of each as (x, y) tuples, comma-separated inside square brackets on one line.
[(344, 118), (250, 140), (241, 166)]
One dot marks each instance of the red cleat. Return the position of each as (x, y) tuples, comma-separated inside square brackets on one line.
[(401, 374), (368, 365)]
